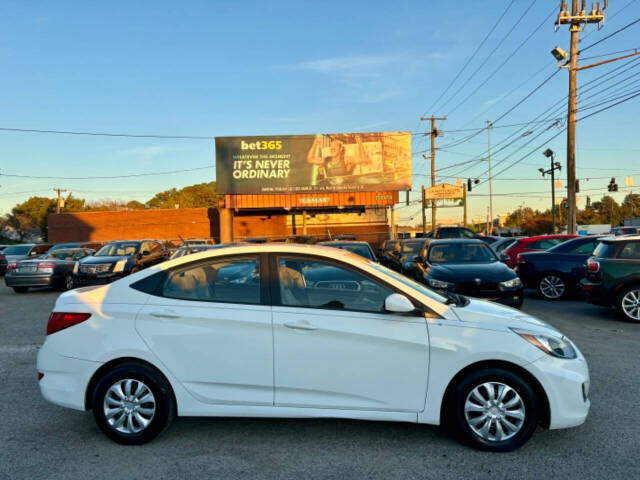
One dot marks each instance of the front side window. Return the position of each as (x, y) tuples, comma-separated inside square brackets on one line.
[(231, 280), (317, 284)]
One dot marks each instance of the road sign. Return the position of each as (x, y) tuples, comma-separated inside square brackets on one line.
[(444, 191)]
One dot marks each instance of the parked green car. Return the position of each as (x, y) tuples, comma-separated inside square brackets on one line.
[(613, 275)]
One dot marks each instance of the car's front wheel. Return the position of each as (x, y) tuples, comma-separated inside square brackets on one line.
[(67, 283), (132, 404), (629, 303), (494, 409)]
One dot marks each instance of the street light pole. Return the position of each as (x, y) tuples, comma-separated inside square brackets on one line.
[(489, 126), (554, 166)]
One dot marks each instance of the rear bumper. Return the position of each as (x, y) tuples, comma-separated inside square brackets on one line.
[(31, 280), (594, 292), (65, 379)]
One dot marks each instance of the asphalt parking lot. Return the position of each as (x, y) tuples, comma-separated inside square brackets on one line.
[(40, 440)]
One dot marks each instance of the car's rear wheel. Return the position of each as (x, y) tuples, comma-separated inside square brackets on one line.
[(629, 303), (67, 283), (552, 286), (21, 289), (494, 409), (132, 404)]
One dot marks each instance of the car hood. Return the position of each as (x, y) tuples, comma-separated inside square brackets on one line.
[(495, 316), (468, 272), (95, 260)]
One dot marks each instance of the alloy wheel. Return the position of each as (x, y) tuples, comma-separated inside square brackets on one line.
[(494, 411), (631, 304), (68, 282), (129, 406), (552, 287)]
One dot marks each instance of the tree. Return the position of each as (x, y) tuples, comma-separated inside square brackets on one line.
[(538, 226), (608, 210), (199, 195), (630, 206)]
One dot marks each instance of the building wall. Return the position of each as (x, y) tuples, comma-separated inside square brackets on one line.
[(134, 224)]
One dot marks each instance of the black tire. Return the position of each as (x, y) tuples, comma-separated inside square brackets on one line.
[(550, 280), (162, 395), (629, 294), (21, 289), (457, 418), (67, 283)]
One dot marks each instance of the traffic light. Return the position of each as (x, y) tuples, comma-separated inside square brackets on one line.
[(588, 201), (468, 184), (613, 186)]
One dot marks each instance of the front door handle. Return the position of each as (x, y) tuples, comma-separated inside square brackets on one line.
[(299, 326), (165, 314)]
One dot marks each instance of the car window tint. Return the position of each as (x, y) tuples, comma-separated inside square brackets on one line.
[(235, 280), (467, 233), (461, 253), (411, 247), (585, 248), (316, 284), (631, 251)]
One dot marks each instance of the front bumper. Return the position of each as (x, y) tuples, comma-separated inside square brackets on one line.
[(84, 279), (31, 280), (65, 379), (565, 382)]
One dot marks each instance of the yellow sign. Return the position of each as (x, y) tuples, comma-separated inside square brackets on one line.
[(443, 191)]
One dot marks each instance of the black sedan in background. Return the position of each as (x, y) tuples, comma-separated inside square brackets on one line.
[(119, 259), (556, 272), (51, 270), (470, 267), (360, 248)]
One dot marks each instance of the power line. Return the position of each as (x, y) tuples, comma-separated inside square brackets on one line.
[(107, 177), (609, 36), (104, 134)]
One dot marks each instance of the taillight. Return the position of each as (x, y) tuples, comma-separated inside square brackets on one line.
[(61, 320), (2, 257), (40, 376), (593, 266), (12, 266), (46, 266)]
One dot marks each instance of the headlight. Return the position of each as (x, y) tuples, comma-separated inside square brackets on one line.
[(119, 266), (514, 282), (557, 347), (439, 284)]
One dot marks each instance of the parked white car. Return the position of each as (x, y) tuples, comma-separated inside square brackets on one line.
[(285, 330)]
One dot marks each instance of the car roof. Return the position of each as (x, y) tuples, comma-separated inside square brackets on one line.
[(343, 242), (472, 241), (620, 238)]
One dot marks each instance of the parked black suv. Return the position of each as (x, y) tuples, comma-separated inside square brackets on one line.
[(613, 275), (118, 259)]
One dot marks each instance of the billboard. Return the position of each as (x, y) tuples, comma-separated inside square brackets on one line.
[(342, 162)]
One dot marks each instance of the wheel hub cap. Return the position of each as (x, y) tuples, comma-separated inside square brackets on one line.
[(494, 411), (631, 304), (129, 406), (552, 286)]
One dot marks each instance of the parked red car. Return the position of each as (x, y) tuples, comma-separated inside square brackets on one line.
[(533, 244)]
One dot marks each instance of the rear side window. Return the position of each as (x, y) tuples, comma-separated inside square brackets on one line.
[(585, 248), (604, 250), (231, 280), (544, 243), (630, 251)]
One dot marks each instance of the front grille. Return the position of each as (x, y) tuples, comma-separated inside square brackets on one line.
[(95, 268), (472, 289)]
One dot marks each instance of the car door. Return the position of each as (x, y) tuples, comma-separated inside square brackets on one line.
[(210, 324), (335, 346)]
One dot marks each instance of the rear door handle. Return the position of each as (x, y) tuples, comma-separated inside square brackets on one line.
[(300, 326), (165, 314)]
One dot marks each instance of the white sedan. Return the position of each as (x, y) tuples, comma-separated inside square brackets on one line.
[(283, 330)]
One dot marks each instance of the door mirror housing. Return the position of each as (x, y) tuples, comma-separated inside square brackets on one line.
[(398, 303)]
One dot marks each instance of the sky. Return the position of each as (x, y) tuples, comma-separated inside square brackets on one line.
[(215, 68)]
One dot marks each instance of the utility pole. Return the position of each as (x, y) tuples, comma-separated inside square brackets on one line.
[(434, 134), (554, 166), (575, 20), (59, 203), (489, 127), (424, 214)]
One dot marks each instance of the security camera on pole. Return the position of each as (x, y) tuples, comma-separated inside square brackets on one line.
[(554, 166)]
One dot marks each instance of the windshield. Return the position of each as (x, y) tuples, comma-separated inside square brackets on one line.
[(411, 247), (118, 249), (17, 250), (461, 253), (409, 283)]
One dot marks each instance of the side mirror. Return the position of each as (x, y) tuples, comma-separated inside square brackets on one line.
[(145, 253), (504, 257), (398, 303)]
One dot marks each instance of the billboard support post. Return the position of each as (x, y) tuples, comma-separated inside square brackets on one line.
[(226, 225)]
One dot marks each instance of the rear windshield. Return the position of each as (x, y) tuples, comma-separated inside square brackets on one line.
[(118, 249), (412, 247), (17, 250), (356, 248)]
